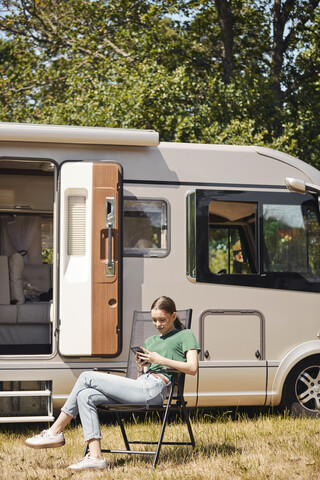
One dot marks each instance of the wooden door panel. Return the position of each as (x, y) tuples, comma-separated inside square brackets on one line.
[(106, 282)]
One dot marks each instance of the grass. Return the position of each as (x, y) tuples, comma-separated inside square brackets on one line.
[(229, 445)]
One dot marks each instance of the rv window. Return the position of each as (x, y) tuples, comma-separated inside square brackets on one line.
[(291, 239), (191, 236), (254, 239), (145, 228)]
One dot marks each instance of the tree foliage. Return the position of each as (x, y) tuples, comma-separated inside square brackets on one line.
[(218, 71)]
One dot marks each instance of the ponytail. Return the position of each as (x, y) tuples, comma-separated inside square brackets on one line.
[(178, 324)]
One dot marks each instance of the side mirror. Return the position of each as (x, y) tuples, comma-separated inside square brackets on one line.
[(300, 186)]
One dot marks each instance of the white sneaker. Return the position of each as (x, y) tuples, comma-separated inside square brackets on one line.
[(46, 439), (89, 463)]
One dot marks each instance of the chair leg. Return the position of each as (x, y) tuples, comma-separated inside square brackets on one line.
[(124, 435), (187, 420), (163, 427), (165, 418)]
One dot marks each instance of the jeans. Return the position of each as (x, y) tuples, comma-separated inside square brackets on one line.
[(97, 388)]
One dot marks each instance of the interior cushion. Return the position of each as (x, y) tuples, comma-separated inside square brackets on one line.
[(16, 265), (8, 314), (4, 281), (35, 312), (24, 334)]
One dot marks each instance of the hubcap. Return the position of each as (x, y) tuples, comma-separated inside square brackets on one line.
[(307, 388)]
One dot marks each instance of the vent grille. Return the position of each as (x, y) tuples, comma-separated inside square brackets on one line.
[(76, 225)]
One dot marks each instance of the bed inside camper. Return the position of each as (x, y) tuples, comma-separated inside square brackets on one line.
[(26, 256)]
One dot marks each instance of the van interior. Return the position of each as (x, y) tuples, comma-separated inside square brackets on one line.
[(26, 256)]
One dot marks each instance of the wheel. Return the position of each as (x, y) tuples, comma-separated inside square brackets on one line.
[(301, 393)]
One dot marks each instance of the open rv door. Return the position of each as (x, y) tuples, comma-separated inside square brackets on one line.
[(90, 259)]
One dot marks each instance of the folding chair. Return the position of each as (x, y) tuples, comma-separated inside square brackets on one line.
[(142, 328)]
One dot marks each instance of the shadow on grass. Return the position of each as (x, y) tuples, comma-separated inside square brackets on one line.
[(214, 414), (224, 449), (178, 455), (221, 414)]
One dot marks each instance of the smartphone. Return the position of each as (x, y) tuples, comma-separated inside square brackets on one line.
[(137, 350)]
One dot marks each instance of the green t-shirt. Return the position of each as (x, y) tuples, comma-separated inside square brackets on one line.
[(174, 346)]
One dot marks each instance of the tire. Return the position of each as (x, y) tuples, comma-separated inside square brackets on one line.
[(301, 392)]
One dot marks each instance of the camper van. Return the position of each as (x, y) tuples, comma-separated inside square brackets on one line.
[(96, 223)]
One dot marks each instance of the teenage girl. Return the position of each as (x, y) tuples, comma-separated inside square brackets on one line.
[(174, 348)]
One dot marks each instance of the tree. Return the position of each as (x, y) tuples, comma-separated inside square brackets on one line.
[(218, 71)]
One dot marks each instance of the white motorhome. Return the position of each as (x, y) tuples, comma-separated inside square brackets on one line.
[(96, 223)]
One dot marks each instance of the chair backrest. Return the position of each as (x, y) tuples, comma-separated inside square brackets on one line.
[(143, 328)]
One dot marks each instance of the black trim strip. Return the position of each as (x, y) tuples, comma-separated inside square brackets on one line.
[(202, 184)]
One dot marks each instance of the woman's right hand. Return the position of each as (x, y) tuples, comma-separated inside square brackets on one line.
[(140, 362)]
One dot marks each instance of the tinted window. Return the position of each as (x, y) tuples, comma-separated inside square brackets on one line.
[(292, 239), (145, 228), (257, 239)]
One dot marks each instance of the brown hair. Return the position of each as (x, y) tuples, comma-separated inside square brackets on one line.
[(167, 305)]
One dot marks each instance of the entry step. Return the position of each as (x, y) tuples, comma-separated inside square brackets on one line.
[(26, 393), (34, 419), (26, 401)]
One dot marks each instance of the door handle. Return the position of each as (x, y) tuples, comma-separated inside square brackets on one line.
[(110, 224)]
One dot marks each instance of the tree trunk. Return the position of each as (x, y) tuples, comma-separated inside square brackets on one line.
[(226, 24), (277, 51)]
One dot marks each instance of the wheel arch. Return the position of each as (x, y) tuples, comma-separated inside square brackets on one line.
[(295, 356)]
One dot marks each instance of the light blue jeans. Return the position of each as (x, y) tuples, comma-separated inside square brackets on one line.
[(97, 388)]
